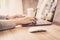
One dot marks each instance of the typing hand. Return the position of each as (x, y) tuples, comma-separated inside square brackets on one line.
[(28, 20), (15, 16)]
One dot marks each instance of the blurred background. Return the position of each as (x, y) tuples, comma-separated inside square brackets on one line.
[(20, 7)]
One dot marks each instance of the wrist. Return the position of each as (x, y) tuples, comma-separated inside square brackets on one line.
[(18, 22), (7, 17)]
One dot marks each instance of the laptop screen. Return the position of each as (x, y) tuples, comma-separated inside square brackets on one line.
[(46, 9)]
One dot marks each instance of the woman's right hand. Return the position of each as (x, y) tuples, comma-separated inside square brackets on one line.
[(25, 20)]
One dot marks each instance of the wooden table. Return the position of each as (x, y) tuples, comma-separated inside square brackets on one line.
[(22, 33)]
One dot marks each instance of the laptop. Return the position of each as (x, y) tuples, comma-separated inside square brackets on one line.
[(42, 22)]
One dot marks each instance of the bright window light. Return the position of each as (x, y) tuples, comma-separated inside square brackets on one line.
[(11, 7)]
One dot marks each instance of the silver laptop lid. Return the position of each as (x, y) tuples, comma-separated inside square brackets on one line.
[(46, 10)]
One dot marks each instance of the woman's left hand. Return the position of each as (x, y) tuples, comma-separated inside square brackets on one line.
[(15, 16)]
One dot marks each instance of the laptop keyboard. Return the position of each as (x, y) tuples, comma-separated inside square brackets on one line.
[(42, 22), (38, 22)]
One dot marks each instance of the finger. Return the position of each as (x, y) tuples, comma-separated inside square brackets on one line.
[(33, 19)]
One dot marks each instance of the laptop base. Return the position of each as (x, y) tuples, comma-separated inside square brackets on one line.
[(25, 25)]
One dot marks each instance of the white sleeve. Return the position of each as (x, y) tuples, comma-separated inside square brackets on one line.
[(7, 24), (3, 16)]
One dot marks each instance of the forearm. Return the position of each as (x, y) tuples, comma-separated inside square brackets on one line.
[(25, 20), (19, 21)]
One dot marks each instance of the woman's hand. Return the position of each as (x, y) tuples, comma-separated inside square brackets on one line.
[(28, 20), (14, 16), (25, 20)]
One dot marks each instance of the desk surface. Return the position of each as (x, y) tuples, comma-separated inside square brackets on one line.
[(21, 33)]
